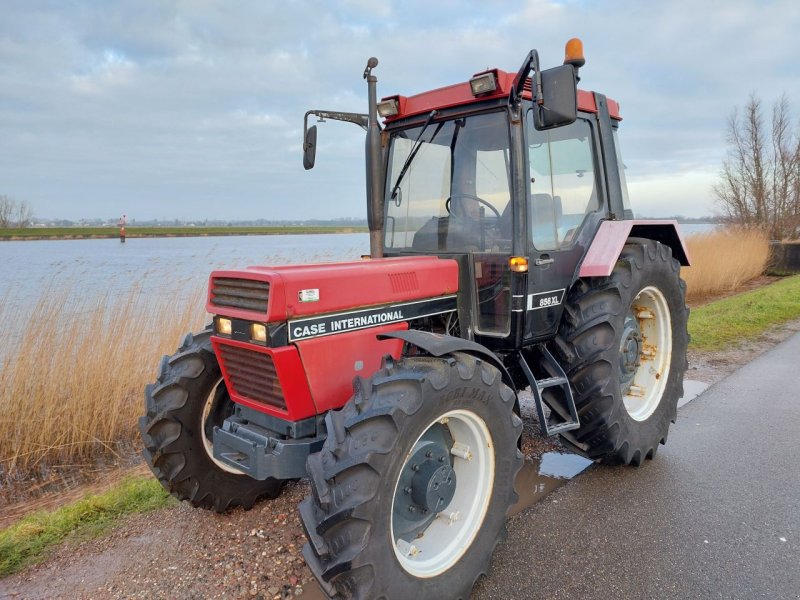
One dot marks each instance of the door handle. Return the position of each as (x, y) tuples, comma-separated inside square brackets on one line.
[(540, 262)]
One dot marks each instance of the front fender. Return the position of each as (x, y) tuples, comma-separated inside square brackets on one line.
[(440, 345)]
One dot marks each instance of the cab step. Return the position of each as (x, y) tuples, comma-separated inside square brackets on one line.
[(563, 413)]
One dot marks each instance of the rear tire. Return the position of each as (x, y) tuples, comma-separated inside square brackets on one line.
[(411, 488), (183, 406), (623, 345)]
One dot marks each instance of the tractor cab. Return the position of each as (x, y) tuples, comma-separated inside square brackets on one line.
[(510, 174), (507, 200)]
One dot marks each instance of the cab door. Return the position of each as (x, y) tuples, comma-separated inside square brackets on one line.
[(563, 211)]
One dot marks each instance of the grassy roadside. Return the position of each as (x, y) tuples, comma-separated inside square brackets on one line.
[(67, 233), (727, 322), (28, 540)]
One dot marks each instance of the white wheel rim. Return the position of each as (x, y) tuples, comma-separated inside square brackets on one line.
[(207, 443), (454, 529), (652, 313)]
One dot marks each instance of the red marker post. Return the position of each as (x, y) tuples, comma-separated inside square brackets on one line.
[(121, 224)]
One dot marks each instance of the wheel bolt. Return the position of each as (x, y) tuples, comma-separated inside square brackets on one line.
[(428, 454), (407, 490), (415, 467), (411, 509)]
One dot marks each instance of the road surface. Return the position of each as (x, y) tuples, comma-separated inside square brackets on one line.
[(715, 515)]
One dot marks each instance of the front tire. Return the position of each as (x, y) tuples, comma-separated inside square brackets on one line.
[(411, 488), (183, 406), (623, 344)]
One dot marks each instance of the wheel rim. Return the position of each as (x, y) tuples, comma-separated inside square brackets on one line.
[(450, 531), (211, 409), (648, 333)]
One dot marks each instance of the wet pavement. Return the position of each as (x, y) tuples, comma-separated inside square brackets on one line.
[(716, 514)]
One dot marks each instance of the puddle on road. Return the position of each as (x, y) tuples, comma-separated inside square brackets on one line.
[(536, 479)]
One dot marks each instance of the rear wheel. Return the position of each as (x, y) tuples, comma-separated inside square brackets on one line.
[(411, 489), (184, 405), (623, 344)]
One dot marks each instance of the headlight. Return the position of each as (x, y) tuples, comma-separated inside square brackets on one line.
[(224, 326), (258, 332)]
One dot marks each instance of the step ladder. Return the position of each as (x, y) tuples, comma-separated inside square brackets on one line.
[(563, 409)]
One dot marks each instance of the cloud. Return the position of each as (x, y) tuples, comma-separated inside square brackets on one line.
[(195, 107)]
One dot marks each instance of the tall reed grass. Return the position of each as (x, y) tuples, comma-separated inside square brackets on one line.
[(71, 388), (723, 260)]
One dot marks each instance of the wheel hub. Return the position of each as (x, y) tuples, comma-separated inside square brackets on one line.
[(630, 352), (433, 485), (427, 484)]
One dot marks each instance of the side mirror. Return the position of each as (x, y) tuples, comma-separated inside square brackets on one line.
[(310, 148), (560, 95)]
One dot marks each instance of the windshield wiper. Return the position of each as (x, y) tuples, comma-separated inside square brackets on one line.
[(414, 149)]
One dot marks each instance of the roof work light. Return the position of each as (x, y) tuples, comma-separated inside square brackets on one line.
[(483, 83), (388, 108)]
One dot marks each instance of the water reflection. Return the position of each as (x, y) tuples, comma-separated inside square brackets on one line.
[(538, 478)]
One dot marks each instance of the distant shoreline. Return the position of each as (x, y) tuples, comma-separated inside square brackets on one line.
[(99, 233)]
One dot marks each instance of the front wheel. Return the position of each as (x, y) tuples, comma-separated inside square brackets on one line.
[(411, 489), (623, 344), (182, 408)]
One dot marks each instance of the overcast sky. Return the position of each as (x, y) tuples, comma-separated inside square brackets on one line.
[(194, 109)]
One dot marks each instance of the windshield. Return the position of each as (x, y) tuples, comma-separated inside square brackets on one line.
[(455, 193)]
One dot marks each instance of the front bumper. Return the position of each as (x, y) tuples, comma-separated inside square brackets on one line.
[(257, 451)]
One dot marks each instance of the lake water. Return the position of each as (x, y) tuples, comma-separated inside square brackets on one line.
[(160, 266), (692, 228), (156, 266)]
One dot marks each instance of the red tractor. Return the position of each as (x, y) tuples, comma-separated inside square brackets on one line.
[(504, 255)]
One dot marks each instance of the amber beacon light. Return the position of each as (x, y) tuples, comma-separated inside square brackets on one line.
[(573, 53)]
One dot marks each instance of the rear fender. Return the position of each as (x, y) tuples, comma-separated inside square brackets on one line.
[(439, 345), (612, 235)]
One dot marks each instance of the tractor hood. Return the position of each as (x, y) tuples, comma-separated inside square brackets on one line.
[(279, 293)]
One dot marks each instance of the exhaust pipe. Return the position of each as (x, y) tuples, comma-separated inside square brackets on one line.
[(374, 166)]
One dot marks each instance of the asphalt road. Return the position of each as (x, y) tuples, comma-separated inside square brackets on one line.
[(715, 515)]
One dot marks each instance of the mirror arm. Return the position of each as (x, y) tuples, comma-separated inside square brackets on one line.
[(359, 119), (531, 63)]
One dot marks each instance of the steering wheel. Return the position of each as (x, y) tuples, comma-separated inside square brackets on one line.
[(471, 197)]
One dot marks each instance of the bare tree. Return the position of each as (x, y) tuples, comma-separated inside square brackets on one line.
[(6, 210), (23, 214), (13, 213), (760, 180)]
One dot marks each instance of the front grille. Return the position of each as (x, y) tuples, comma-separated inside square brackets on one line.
[(252, 375), (240, 293)]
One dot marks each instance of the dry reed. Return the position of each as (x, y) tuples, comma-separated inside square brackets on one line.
[(723, 260), (72, 389)]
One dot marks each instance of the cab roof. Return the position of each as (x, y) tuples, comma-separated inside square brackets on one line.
[(461, 94)]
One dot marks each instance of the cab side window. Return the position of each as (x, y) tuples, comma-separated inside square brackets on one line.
[(562, 176)]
